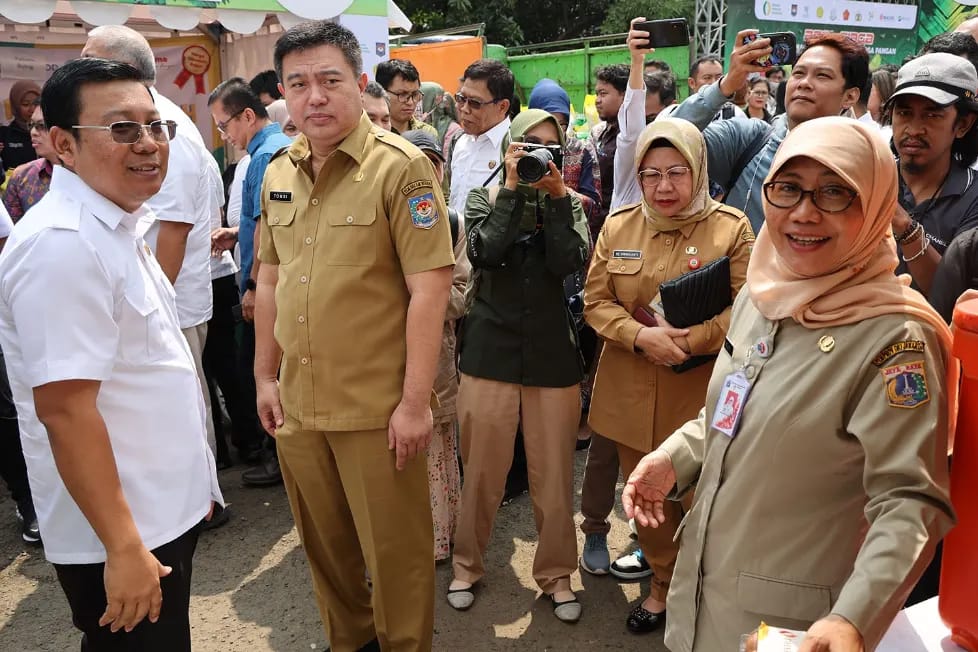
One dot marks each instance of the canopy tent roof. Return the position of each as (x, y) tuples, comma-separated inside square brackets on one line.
[(239, 16)]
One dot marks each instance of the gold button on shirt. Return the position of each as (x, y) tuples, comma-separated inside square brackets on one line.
[(343, 246)]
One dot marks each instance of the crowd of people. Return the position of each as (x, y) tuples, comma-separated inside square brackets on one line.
[(410, 305)]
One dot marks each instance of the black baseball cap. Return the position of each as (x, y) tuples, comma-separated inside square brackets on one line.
[(424, 141)]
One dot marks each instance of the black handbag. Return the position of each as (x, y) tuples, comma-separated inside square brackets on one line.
[(695, 297)]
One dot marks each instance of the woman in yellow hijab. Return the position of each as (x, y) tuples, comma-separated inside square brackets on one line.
[(821, 494), (638, 398)]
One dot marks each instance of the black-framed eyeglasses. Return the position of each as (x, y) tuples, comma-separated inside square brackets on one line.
[(652, 178), (222, 126), (37, 124), (407, 97), (128, 132), (474, 104), (831, 199)]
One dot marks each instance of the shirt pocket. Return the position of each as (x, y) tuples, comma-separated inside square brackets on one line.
[(352, 238), (142, 326), (280, 223), (781, 598), (627, 279)]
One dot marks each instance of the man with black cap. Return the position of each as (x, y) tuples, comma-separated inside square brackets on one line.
[(934, 110), (444, 483)]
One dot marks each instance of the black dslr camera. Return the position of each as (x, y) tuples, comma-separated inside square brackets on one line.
[(536, 164)]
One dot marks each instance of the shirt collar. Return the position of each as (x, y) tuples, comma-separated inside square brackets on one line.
[(73, 187), (959, 179), (352, 145), (496, 134), (259, 138)]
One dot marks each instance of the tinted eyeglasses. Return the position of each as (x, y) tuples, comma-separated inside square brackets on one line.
[(37, 124), (222, 126), (475, 105), (407, 96), (831, 199), (128, 132), (652, 178)]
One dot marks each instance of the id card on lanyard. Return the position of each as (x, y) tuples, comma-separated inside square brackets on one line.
[(736, 388)]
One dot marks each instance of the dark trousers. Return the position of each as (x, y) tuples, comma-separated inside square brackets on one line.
[(224, 367), (84, 587), (13, 470)]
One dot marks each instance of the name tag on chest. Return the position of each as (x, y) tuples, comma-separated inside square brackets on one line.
[(280, 195), (633, 254)]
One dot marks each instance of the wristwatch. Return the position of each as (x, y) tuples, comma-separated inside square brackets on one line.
[(250, 284)]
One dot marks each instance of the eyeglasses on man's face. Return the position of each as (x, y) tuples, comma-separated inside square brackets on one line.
[(37, 124), (474, 104), (128, 132), (407, 97), (223, 126)]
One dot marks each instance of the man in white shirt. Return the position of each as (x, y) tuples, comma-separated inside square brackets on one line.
[(110, 406), (184, 207), (483, 112)]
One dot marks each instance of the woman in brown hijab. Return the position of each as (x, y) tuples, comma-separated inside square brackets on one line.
[(820, 455), (638, 399), (15, 138)]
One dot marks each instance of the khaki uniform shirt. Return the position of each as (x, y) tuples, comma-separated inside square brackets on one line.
[(343, 243), (635, 402), (832, 494), (418, 125), (446, 382)]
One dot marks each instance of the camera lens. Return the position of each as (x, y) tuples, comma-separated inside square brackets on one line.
[(534, 166)]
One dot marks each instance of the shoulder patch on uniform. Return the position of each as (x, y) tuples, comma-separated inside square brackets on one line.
[(415, 185), (424, 214), (887, 352), (906, 384)]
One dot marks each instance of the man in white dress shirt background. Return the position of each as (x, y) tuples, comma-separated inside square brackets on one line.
[(191, 195), (483, 106), (110, 407)]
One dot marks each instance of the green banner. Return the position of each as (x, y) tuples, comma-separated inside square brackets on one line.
[(359, 7), (889, 31)]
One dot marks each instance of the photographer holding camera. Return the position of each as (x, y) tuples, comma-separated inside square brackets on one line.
[(519, 358)]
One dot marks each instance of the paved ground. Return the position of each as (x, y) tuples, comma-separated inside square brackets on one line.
[(252, 590)]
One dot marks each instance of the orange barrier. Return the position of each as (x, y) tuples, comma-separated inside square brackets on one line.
[(959, 568), (442, 62)]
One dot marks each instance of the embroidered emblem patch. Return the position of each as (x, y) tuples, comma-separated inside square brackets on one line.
[(906, 384), (897, 347), (634, 254), (424, 215)]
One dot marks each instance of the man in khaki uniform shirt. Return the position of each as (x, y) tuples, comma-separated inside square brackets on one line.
[(357, 267)]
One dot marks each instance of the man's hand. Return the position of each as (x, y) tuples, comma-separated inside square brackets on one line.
[(409, 432), (901, 221), (132, 588), (248, 305), (832, 634), (552, 183), (646, 489), (658, 345), (269, 405), (222, 240), (638, 42), (742, 61)]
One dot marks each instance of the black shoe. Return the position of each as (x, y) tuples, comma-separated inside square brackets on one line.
[(643, 621), (29, 531), (219, 517), (266, 474)]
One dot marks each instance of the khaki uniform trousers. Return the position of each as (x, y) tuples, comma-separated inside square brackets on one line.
[(657, 543), (489, 412), (355, 511)]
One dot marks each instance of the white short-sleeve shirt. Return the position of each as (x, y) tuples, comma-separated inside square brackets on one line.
[(6, 224), (187, 196), (83, 298), (474, 159)]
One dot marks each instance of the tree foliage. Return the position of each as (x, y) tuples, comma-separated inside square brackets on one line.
[(519, 22)]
